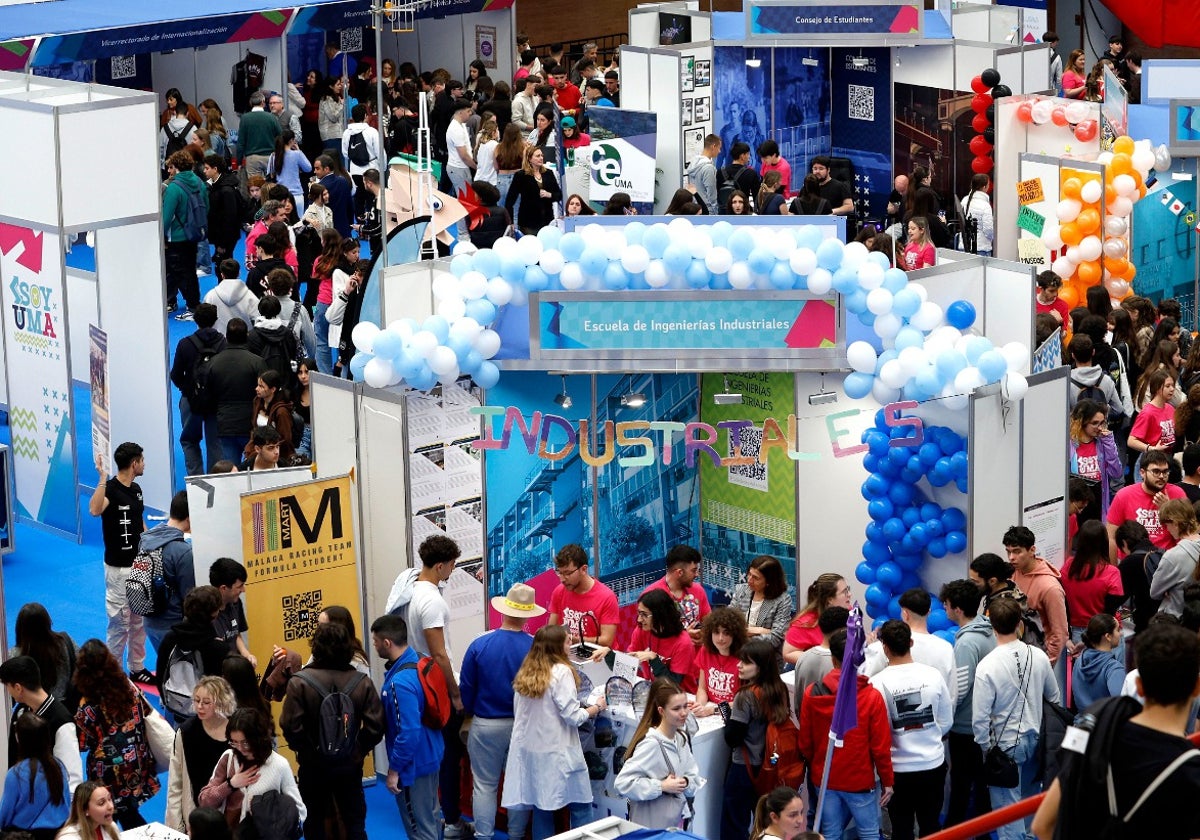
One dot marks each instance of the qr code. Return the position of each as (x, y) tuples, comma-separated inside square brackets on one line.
[(300, 613), (862, 103), (124, 67), (753, 476), (350, 40)]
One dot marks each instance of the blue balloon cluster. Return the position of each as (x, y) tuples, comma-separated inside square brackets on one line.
[(905, 523)]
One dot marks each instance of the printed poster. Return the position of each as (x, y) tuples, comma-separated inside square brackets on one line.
[(98, 374), (39, 379), (622, 155)]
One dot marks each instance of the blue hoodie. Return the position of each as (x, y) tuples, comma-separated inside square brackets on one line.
[(1097, 674), (178, 570), (413, 748), (973, 641), (17, 809)]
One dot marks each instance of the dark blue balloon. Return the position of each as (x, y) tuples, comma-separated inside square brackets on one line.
[(898, 455), (946, 635), (911, 580), (900, 493), (864, 573), (945, 466), (875, 486), (910, 476), (918, 534), (881, 420), (937, 547), (938, 477), (870, 463), (914, 464), (879, 509), (877, 442), (910, 517), (929, 453), (879, 622), (875, 532), (894, 529), (959, 462), (889, 468), (954, 519), (876, 553), (960, 314), (962, 484), (909, 562), (908, 545), (877, 596), (950, 443), (931, 511), (894, 608), (934, 527), (956, 541), (888, 575), (939, 621)]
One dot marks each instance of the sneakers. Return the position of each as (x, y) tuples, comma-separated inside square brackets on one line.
[(142, 676), (186, 315), (172, 306), (459, 831)]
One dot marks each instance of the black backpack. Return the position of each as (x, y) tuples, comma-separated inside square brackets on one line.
[(201, 399), (1089, 392), (176, 142), (358, 151), (727, 183), (279, 352), (339, 723)]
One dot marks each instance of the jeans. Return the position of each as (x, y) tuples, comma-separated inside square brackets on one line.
[(487, 747), (841, 807), (968, 788), (197, 427), (503, 182), (917, 795), (1027, 765), (459, 178), (204, 257), (737, 803), (322, 787), (321, 328), (419, 809), (181, 273), (543, 821), (124, 625), (233, 447)]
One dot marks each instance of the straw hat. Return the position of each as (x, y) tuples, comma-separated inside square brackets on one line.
[(518, 603)]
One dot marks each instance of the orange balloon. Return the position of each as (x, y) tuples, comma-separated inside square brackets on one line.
[(1117, 266), (1110, 192), (1070, 233), (1071, 188), (1121, 164), (1123, 145), (1141, 190), (1089, 272), (1088, 221), (1129, 275), (1069, 295)]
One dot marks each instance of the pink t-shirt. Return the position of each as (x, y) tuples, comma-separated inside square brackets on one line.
[(693, 604), (599, 602), (1087, 461), (676, 652), (785, 175), (720, 675), (1155, 426), (1133, 502), (918, 256), (1085, 598), (803, 633)]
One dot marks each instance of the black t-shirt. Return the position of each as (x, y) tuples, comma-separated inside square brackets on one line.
[(122, 522), (835, 192), (230, 623)]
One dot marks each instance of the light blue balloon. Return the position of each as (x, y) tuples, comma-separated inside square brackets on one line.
[(885, 357), (423, 379), (549, 236), (482, 310), (697, 275), (741, 243), (928, 380), (977, 345), (845, 281), (359, 363), (858, 385), (593, 261), (471, 362), (486, 262), (571, 245), (880, 259), (829, 254), (894, 279), (905, 302), (460, 264), (677, 258), (536, 280), (655, 240), (856, 302), (720, 233), (409, 364), (615, 277), (512, 268), (720, 282), (488, 375), (949, 363), (909, 337), (991, 364), (781, 276), (761, 261), (437, 325), (461, 347), (387, 345), (867, 319), (637, 282), (634, 231), (810, 237)]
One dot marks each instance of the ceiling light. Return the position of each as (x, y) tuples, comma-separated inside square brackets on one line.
[(564, 399), (822, 397), (726, 397), (633, 399)]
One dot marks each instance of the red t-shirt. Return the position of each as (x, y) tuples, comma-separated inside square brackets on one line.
[(918, 256), (676, 652), (1156, 426), (803, 633), (785, 175), (568, 97), (693, 604), (1059, 306), (599, 602), (720, 674), (1133, 502), (1087, 461), (1085, 598)]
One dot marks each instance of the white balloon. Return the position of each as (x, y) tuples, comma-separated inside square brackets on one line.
[(740, 276), (1017, 355), (1052, 235), (506, 245), (853, 255), (718, 260), (781, 246), (1115, 226), (1077, 112), (892, 374), (402, 328), (445, 285), (927, 317), (462, 246), (1090, 248), (1072, 254), (571, 277), (820, 281), (657, 275), (1143, 161), (487, 343), (451, 376), (883, 394), (921, 291), (442, 360), (680, 228), (886, 326), (1068, 210), (1115, 247), (635, 258), (1063, 267), (472, 285), (803, 262), (363, 335), (1162, 158), (912, 360), (1104, 158), (1124, 184), (499, 290), (1014, 386), (1091, 192), (530, 248), (423, 343), (698, 242), (552, 262), (466, 328), (378, 372), (968, 379), (1042, 111), (861, 356), (1121, 207), (452, 309), (879, 302), (952, 399), (870, 275)]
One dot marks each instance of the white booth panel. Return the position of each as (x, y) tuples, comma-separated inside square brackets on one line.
[(407, 290), (956, 280), (1045, 463), (1010, 66), (383, 491), (129, 269), (994, 478), (971, 23), (82, 293), (969, 61), (635, 79), (335, 441), (1046, 171), (665, 90), (27, 188), (506, 49), (125, 140), (1008, 314), (1165, 79), (1037, 59), (922, 65)]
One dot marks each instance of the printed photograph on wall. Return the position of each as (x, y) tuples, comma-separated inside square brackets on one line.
[(686, 112), (687, 78), (702, 109), (800, 124), (674, 29), (739, 91), (703, 73)]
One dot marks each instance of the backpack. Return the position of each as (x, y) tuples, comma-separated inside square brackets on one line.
[(195, 217), (279, 352), (1055, 720), (184, 670), (176, 142), (338, 719), (201, 399), (436, 713), (146, 588), (726, 184), (357, 149), (782, 763), (1089, 392)]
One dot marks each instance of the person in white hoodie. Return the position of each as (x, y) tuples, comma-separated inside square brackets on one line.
[(180, 127), (360, 151), (921, 712), (660, 775), (232, 297), (1010, 684), (1087, 376), (927, 649)]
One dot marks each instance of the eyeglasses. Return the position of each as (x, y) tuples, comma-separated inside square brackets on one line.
[(563, 574), (643, 614), (233, 742), (196, 701), (1157, 471)]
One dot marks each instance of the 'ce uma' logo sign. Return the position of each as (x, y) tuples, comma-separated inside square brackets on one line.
[(606, 166)]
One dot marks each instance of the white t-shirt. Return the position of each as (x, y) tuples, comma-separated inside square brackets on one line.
[(457, 135), (920, 712), (426, 611), (486, 159), (926, 649)]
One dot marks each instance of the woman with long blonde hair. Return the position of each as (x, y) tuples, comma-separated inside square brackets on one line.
[(546, 769), (92, 813), (213, 124), (486, 141), (199, 745)]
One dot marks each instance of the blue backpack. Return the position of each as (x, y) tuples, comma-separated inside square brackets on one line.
[(195, 216)]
